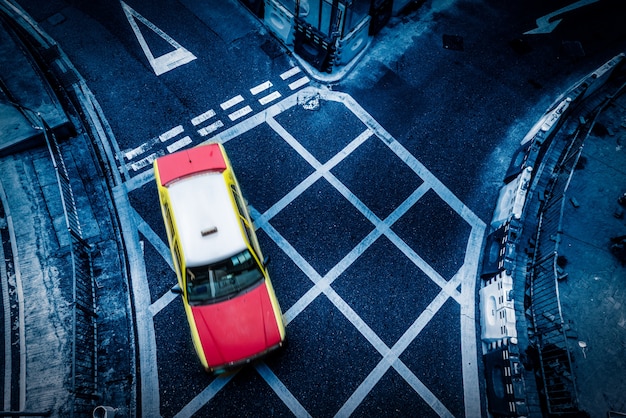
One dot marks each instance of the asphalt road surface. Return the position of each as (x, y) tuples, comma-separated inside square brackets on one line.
[(371, 195)]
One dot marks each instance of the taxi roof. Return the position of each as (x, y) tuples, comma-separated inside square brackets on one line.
[(187, 162), (206, 221)]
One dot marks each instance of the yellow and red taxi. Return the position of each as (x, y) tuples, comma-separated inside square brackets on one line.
[(229, 300)]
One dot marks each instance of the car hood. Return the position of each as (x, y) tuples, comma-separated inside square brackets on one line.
[(238, 328)]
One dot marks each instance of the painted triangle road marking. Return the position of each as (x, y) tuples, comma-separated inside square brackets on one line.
[(166, 62)]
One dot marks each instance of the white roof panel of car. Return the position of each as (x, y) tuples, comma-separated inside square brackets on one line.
[(208, 227)]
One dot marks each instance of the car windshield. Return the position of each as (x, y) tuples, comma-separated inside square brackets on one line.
[(223, 280)]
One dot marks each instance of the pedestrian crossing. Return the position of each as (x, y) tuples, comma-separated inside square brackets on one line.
[(212, 121)]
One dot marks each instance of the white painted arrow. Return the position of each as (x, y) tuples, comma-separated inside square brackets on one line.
[(545, 26), (165, 62)]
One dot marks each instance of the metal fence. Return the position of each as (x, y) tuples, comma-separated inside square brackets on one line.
[(84, 330), (546, 270)]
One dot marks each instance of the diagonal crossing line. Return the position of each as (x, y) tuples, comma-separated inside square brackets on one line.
[(152, 237), (324, 170), (281, 390), (322, 285), (420, 388), (320, 169), (205, 396), (390, 355), (163, 250), (386, 226), (391, 358)]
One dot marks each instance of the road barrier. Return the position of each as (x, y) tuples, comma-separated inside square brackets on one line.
[(280, 21), (316, 48), (504, 384), (496, 300), (512, 199), (500, 249)]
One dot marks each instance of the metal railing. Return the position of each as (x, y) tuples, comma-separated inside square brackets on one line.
[(84, 326), (548, 325), (546, 270)]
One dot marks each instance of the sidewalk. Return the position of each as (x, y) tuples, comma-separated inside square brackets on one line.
[(38, 348), (593, 296)]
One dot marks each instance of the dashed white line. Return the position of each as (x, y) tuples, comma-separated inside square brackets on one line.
[(203, 117), (166, 136), (290, 73), (146, 161), (261, 87), (269, 98), (207, 130), (178, 144), (299, 83), (129, 155), (8, 366), (232, 102), (240, 113)]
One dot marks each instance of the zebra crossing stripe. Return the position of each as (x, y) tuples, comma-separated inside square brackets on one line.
[(203, 117)]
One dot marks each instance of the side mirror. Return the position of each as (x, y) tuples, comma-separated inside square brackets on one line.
[(177, 290), (266, 260)]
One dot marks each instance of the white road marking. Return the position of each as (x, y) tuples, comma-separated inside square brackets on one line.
[(146, 160), (166, 136), (261, 87), (299, 83), (278, 206), (166, 62), (290, 73), (139, 180), (240, 113), (424, 392), (8, 363), (164, 251), (129, 155), (232, 102), (146, 338), (545, 26), (162, 302), (269, 98), (281, 390), (178, 144), (203, 117), (465, 278), (208, 130), (391, 358), (203, 397), (469, 353)]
